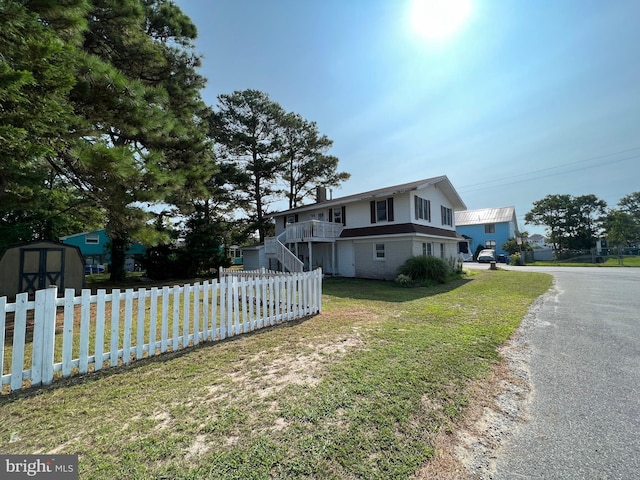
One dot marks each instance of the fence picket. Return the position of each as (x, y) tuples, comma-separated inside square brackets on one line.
[(153, 320), (205, 311), (38, 338), (115, 326), (142, 306), (127, 330), (19, 337), (196, 313), (215, 288), (165, 320), (3, 323), (223, 309), (230, 302), (49, 335), (211, 311), (100, 317), (176, 317)]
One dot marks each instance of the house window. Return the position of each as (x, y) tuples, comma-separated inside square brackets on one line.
[(446, 215), (92, 239), (490, 228), (378, 251), (427, 249), (442, 251), (423, 209), (381, 211), (337, 215), (291, 219), (490, 244)]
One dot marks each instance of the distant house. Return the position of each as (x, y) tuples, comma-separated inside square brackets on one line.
[(370, 234), (489, 227), (537, 241), (94, 247)]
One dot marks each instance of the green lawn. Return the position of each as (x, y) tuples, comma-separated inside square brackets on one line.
[(360, 391)]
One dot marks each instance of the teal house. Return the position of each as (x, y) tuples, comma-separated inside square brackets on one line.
[(94, 247), (489, 227)]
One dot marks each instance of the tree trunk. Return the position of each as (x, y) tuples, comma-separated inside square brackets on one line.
[(118, 247)]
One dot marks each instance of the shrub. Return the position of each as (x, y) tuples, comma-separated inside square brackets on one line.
[(425, 267), (515, 259), (404, 280)]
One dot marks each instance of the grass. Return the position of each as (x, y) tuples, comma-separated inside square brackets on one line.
[(359, 391)]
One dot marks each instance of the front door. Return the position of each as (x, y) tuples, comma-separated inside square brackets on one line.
[(41, 268)]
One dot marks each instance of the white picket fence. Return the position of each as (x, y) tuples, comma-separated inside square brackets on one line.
[(76, 335)]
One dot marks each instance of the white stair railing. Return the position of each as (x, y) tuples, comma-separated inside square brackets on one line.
[(276, 249)]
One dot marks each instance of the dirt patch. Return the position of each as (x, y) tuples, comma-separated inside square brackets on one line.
[(497, 405), (265, 376)]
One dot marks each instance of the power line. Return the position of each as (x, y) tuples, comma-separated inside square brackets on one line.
[(501, 181)]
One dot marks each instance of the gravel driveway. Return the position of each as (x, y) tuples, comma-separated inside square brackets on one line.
[(582, 362)]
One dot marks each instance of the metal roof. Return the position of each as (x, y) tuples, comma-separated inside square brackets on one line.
[(485, 215)]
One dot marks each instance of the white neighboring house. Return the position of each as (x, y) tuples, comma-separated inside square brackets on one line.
[(537, 241), (370, 234)]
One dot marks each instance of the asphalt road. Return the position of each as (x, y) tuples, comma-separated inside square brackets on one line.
[(584, 413)]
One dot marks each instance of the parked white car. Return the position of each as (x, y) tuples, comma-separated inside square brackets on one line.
[(486, 256)]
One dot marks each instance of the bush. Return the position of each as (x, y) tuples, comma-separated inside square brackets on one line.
[(515, 259), (425, 267), (404, 280)]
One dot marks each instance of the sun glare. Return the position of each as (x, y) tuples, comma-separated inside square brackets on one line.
[(439, 19)]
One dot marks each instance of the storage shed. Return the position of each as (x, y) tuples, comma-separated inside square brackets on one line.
[(39, 265)]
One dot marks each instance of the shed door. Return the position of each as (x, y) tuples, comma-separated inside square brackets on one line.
[(41, 268)]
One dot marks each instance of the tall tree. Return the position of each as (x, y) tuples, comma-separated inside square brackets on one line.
[(246, 128), (307, 164), (585, 221), (39, 53), (631, 205), (551, 212), (572, 222), (143, 135), (621, 230)]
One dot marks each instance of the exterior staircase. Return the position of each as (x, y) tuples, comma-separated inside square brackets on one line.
[(274, 248)]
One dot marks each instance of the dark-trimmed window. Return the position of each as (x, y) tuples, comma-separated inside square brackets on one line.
[(423, 209), (382, 210), (446, 215), (490, 228)]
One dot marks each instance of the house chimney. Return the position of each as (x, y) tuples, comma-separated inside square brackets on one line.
[(321, 194)]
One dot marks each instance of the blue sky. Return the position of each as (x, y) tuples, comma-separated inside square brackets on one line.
[(528, 98)]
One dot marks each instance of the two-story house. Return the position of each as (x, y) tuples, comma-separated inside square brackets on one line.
[(488, 227), (370, 234)]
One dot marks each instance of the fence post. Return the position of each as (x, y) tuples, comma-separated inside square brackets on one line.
[(44, 329), (49, 338)]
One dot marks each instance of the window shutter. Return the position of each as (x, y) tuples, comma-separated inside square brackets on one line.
[(296, 218), (390, 209), (344, 215), (415, 206), (284, 221), (331, 214), (373, 211)]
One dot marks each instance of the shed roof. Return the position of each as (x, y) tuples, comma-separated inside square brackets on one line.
[(485, 215)]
